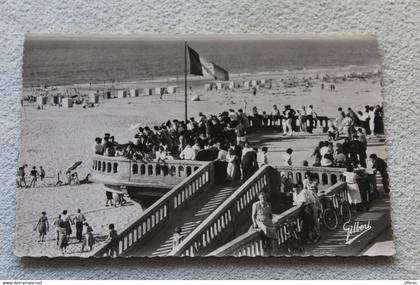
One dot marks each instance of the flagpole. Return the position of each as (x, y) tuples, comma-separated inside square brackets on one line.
[(186, 115)]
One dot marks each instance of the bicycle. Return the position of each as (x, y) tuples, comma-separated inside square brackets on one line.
[(336, 211), (294, 242)]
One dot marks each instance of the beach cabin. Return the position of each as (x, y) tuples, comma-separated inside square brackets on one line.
[(159, 90), (41, 100), (122, 93), (94, 98), (171, 89), (67, 102), (56, 99), (135, 92), (107, 95), (233, 85), (148, 91)]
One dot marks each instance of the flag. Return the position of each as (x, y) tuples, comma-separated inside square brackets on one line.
[(201, 66)]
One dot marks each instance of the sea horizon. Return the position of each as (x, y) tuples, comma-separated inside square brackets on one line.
[(58, 61)]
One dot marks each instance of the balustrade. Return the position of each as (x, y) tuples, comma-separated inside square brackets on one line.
[(120, 170), (251, 243), (222, 221), (161, 212)]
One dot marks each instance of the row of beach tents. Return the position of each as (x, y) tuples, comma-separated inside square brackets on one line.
[(93, 97), (264, 83)]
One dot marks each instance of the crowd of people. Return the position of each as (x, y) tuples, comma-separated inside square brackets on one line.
[(370, 121), (63, 230), (36, 176)]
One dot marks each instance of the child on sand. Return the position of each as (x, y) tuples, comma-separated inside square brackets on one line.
[(88, 238)]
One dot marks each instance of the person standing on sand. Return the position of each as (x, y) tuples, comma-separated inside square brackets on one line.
[(62, 237), (41, 173), (20, 177), (57, 228), (34, 174), (59, 182), (67, 224), (78, 220), (42, 226), (109, 198), (88, 240)]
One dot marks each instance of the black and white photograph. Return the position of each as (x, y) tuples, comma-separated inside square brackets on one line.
[(155, 145)]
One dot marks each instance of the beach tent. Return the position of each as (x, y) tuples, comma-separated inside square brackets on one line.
[(246, 84), (148, 91), (107, 95), (122, 93), (135, 92), (218, 85), (171, 89), (159, 90), (233, 85), (207, 86), (94, 98), (254, 83), (67, 102), (56, 99), (41, 100)]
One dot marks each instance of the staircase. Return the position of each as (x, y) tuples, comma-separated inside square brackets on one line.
[(188, 220)]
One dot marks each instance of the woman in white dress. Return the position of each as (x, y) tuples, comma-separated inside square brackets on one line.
[(231, 170), (353, 191)]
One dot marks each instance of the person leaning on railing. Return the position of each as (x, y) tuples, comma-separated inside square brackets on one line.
[(305, 199)]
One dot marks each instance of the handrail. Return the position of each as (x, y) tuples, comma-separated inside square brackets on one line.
[(327, 176), (204, 236), (251, 243), (125, 171), (161, 211)]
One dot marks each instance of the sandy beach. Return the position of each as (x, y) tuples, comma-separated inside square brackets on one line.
[(56, 137)]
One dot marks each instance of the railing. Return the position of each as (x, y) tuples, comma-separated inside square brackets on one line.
[(326, 176), (162, 211), (124, 171), (251, 243), (221, 223), (321, 122)]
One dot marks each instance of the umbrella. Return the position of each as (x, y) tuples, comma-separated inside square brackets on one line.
[(73, 166), (135, 127)]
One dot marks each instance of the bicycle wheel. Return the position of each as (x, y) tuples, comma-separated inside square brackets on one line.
[(330, 219), (345, 212)]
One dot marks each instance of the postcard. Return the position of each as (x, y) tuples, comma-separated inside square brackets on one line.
[(138, 145)]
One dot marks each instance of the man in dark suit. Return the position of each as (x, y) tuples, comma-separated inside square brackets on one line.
[(379, 165), (249, 164)]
